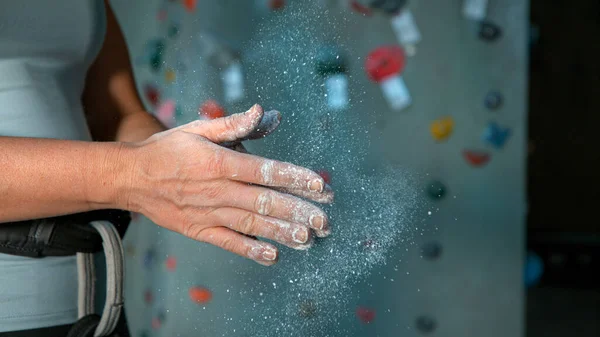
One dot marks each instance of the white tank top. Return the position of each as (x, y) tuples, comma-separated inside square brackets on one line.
[(46, 48)]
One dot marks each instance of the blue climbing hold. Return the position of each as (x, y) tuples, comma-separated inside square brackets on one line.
[(534, 268), (496, 135), (149, 258)]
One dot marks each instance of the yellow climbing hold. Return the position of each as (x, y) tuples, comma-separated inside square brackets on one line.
[(170, 75), (441, 128)]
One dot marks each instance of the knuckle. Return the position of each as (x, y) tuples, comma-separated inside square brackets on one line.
[(265, 203), (217, 163), (247, 223), (229, 122), (229, 244), (213, 191), (192, 231)]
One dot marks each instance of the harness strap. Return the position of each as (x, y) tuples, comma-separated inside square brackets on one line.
[(113, 249)]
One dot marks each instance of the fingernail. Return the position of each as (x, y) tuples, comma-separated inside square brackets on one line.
[(269, 254), (317, 221), (300, 235), (316, 185)]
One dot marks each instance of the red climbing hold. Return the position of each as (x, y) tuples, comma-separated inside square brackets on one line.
[(190, 5), (365, 315), (325, 175), (171, 263), (276, 4), (152, 94), (156, 323), (360, 8), (211, 109), (476, 158), (148, 298), (200, 295), (385, 62)]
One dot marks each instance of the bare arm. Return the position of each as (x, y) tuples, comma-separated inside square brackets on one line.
[(112, 105), (48, 177)]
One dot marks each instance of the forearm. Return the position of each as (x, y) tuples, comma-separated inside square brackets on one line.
[(47, 177)]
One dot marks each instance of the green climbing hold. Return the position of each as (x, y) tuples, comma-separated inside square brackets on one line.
[(436, 190)]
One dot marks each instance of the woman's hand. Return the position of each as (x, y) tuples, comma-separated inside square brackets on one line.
[(184, 181)]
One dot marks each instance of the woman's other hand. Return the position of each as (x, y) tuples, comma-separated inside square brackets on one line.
[(184, 181)]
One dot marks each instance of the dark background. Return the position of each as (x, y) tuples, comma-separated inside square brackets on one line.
[(563, 167)]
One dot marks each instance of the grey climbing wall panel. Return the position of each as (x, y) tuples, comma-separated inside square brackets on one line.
[(445, 267)]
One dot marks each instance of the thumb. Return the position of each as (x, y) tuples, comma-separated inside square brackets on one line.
[(230, 128)]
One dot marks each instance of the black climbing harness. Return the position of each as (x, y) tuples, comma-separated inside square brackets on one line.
[(81, 234)]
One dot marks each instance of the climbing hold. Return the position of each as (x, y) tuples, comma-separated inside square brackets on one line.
[(161, 315), (130, 249), (200, 295), (156, 323), (325, 175), (392, 7), (166, 113), (489, 31), (360, 8), (405, 27), (171, 263), (190, 5), (149, 258), (331, 65), (496, 135), (233, 82), (425, 324), (211, 109), (431, 250), (156, 49), (384, 66), (152, 94), (161, 15), (365, 315), (170, 75), (475, 10), (476, 158), (534, 269), (148, 297), (436, 190), (173, 30), (276, 4), (307, 309), (144, 334), (493, 100), (441, 128)]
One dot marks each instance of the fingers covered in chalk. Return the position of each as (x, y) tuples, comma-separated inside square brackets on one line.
[(291, 234), (268, 202), (228, 129), (260, 171), (261, 252)]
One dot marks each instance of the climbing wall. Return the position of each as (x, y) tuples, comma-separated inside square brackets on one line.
[(415, 113)]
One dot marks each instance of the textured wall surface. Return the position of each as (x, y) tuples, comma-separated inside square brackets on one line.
[(423, 242)]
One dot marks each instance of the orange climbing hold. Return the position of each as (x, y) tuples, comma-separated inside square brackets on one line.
[(190, 5), (200, 295), (211, 109)]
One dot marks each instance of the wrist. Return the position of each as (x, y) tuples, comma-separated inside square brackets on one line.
[(109, 181)]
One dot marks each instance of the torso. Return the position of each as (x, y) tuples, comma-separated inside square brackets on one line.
[(46, 48)]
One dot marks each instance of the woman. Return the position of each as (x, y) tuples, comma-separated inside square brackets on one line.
[(74, 137)]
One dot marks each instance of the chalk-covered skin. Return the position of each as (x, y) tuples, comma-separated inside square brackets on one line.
[(187, 180)]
